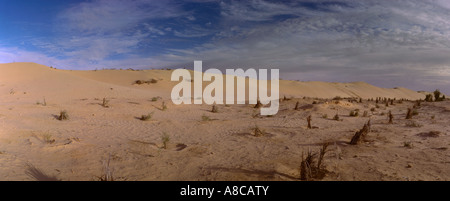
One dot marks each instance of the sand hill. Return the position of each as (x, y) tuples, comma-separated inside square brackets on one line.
[(35, 78)]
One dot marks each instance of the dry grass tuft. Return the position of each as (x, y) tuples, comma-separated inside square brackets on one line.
[(105, 103), (430, 134), (309, 169), (215, 109), (308, 119), (257, 132), (146, 117), (258, 104), (360, 134), (409, 114), (391, 117), (63, 115), (165, 138)]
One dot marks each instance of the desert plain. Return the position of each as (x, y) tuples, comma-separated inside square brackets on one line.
[(107, 135)]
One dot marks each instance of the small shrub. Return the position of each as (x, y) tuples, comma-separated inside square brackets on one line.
[(361, 134), (206, 118), (63, 115), (354, 113), (437, 95), (337, 98), (408, 144), (372, 109), (430, 134), (165, 139), (336, 117), (153, 81), (139, 82), (154, 99), (365, 114), (215, 109), (409, 114), (43, 103), (258, 104), (325, 116), (391, 117), (105, 103), (257, 132), (107, 171), (48, 139), (163, 106), (297, 105), (413, 124), (429, 98), (146, 117), (308, 119), (308, 169)]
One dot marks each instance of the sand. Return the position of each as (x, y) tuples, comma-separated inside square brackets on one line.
[(98, 140)]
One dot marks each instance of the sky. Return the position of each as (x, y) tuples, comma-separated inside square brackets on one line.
[(404, 43)]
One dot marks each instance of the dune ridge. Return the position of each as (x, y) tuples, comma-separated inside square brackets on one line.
[(34, 76)]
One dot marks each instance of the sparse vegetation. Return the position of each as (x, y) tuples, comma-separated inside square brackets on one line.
[(146, 117), (409, 114), (107, 171), (154, 99), (325, 116), (354, 113), (337, 98), (437, 95), (360, 134), (391, 117), (163, 106), (258, 104), (165, 138), (105, 103), (48, 139), (429, 98), (151, 81), (44, 103), (257, 132), (297, 105), (408, 144), (215, 109), (413, 124), (309, 170), (63, 115), (365, 114), (336, 117), (430, 134), (205, 118), (308, 119)]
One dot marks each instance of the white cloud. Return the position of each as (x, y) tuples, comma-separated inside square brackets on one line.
[(345, 40)]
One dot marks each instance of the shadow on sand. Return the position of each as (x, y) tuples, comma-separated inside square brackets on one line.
[(38, 175)]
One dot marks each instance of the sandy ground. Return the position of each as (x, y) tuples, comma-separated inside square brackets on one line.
[(202, 145)]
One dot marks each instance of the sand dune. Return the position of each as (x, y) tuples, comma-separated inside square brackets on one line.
[(34, 145), (36, 77)]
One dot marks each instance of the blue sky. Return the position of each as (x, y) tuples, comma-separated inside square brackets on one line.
[(385, 43)]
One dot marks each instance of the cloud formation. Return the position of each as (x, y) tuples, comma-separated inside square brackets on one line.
[(386, 43)]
